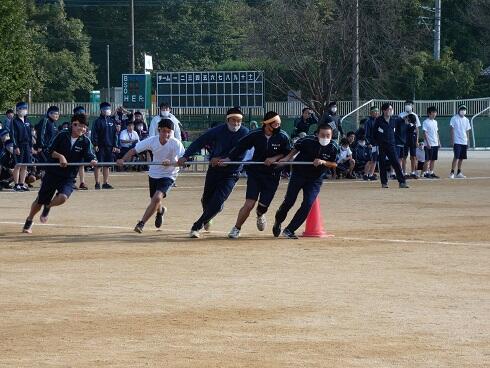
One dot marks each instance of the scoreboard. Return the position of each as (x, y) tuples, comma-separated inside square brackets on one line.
[(211, 89), (136, 91)]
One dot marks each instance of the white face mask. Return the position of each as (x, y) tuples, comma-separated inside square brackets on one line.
[(22, 113), (408, 108), (164, 114), (462, 113), (334, 110), (107, 112), (324, 141), (139, 127), (362, 143), (233, 128)]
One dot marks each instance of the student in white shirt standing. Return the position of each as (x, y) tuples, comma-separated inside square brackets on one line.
[(432, 142), (460, 127), (166, 151), (165, 114)]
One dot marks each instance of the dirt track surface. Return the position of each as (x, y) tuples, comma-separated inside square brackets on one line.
[(404, 283)]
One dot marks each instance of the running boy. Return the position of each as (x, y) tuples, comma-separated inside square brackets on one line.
[(270, 144), (68, 146), (166, 150), (322, 152)]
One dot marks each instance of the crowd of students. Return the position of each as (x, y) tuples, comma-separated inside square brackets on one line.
[(382, 140)]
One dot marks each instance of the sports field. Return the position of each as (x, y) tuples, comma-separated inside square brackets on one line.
[(404, 283)]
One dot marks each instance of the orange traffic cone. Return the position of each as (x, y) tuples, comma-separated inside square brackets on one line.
[(314, 223)]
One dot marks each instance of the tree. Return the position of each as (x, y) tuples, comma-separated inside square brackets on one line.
[(62, 55), (16, 56)]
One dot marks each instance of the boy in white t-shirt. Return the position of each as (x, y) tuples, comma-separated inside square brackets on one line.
[(460, 126), (345, 162), (166, 150), (432, 142)]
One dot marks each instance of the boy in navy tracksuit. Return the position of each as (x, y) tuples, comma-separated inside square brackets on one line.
[(104, 139), (384, 137), (401, 133), (45, 132), (68, 146), (21, 136), (270, 144), (322, 152), (220, 180)]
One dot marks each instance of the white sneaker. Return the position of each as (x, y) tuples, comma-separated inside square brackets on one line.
[(234, 233), (194, 234), (261, 222), (460, 176), (451, 176)]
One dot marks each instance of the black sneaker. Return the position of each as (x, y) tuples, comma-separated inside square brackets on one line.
[(17, 188), (365, 177), (27, 227), (107, 186), (97, 185), (82, 186), (413, 176), (288, 234), (139, 227), (44, 215), (427, 175), (24, 188), (276, 229), (403, 185), (384, 186), (434, 176), (159, 218)]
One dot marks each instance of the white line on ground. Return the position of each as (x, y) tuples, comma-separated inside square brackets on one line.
[(402, 241)]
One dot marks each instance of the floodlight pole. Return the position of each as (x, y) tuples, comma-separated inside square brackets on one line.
[(108, 77), (355, 66), (132, 35), (437, 32)]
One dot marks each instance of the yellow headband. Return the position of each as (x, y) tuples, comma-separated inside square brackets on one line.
[(272, 120), (239, 116)]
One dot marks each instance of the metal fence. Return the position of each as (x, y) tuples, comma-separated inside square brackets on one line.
[(288, 109)]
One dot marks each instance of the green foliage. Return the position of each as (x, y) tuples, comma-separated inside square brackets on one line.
[(62, 55), (430, 79), (16, 55)]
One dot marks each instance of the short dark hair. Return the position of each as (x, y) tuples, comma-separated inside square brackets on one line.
[(407, 102), (344, 141), (323, 126), (306, 108), (431, 109), (350, 133), (138, 113), (9, 111), (385, 106), (81, 118), (164, 105), (166, 123)]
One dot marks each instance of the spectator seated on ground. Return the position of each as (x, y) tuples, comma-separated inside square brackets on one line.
[(351, 137), (345, 162), (361, 155)]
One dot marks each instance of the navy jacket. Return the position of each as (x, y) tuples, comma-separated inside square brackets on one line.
[(361, 154), (263, 148), (368, 129), (7, 159), (302, 125), (45, 133), (401, 131), (21, 132), (104, 132), (81, 151), (220, 141), (310, 149), (335, 124), (384, 132)]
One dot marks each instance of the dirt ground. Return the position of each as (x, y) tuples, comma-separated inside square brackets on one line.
[(404, 283)]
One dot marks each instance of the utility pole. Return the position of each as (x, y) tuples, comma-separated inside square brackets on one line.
[(108, 78), (132, 35), (437, 32), (355, 67)]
